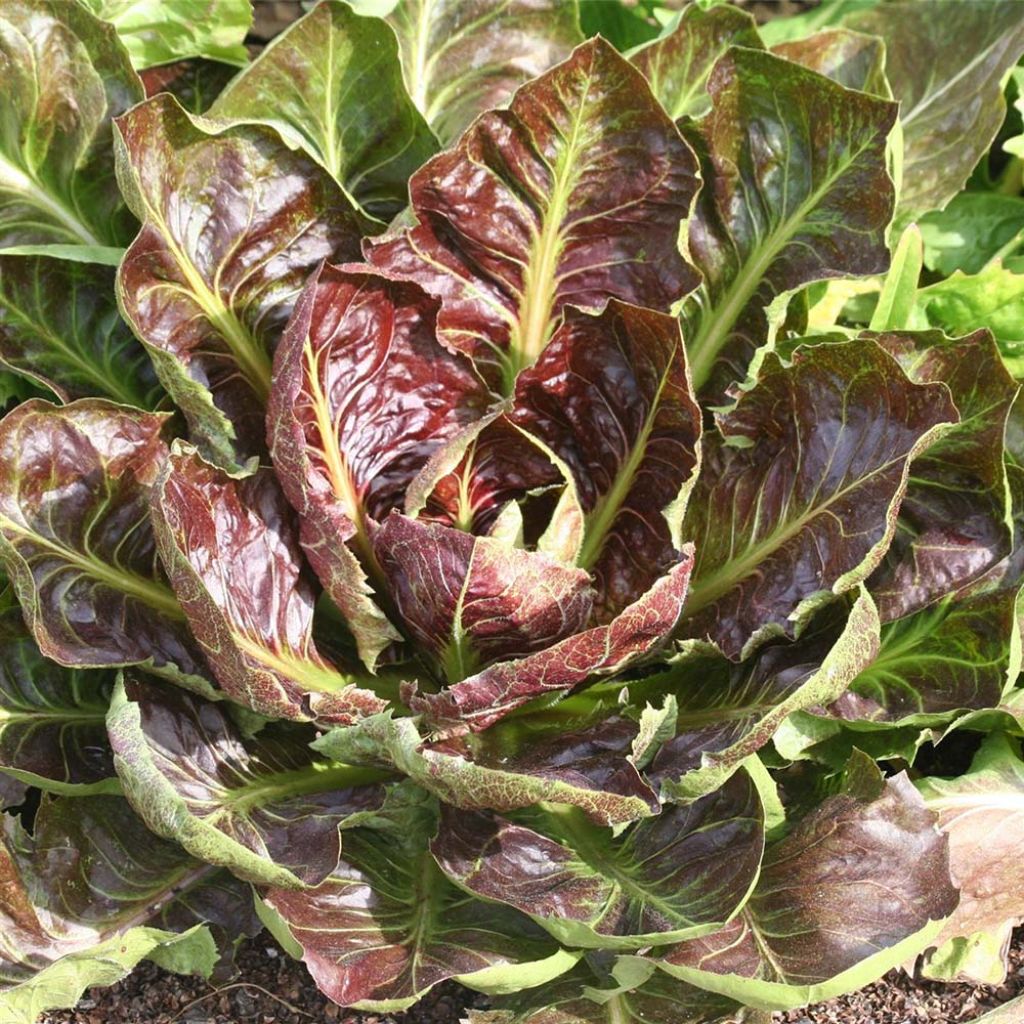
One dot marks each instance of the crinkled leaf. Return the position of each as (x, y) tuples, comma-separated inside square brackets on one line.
[(575, 998), (679, 61), (52, 731), (945, 63), (487, 697), (154, 32), (263, 806), (363, 395), (462, 57), (75, 485), (388, 926), (332, 84), (59, 326), (973, 229), (820, 921), (572, 195), (726, 712), (814, 155), (231, 550), (90, 872), (587, 767), (65, 77), (473, 601), (233, 222), (952, 656), (610, 398), (954, 520), (980, 958), (982, 812), (682, 873), (800, 487), (852, 59)]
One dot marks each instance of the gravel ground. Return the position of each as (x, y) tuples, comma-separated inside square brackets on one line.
[(273, 989)]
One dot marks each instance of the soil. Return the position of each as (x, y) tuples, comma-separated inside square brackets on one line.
[(273, 989)]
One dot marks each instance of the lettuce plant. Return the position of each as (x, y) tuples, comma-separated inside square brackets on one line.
[(458, 514)]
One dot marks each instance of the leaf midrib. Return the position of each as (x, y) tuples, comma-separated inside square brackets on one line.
[(127, 582)]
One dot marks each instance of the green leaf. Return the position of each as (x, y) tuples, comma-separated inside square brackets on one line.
[(52, 732), (953, 656), (980, 959), (899, 289), (462, 57), (154, 32), (233, 223), (678, 63), (982, 812), (264, 807), (814, 154), (582, 997), (727, 712), (992, 298), (945, 63), (800, 486), (332, 84), (388, 926), (679, 874), (65, 77), (820, 921), (63, 983), (104, 255), (974, 229), (59, 326), (624, 26), (799, 26)]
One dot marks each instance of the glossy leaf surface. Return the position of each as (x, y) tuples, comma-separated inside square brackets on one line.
[(263, 807), (65, 77), (640, 629), (823, 216), (473, 601), (363, 395), (680, 873), (387, 926), (187, 28), (800, 488), (610, 397), (954, 521), (232, 553), (332, 84), (572, 195), (233, 222), (462, 58), (59, 326), (678, 63), (52, 731), (75, 485)]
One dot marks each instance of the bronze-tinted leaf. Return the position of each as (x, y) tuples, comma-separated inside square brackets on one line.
[(233, 222), (231, 550), (574, 195), (800, 487), (75, 484), (363, 395)]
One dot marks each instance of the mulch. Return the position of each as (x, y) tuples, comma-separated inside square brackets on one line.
[(274, 989)]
